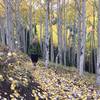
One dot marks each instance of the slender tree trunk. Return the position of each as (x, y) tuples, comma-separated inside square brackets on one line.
[(59, 32), (0, 35), (74, 42), (30, 21), (94, 22), (47, 34), (41, 39), (18, 24), (71, 44), (79, 34), (9, 24), (83, 38), (2, 31), (3, 36), (44, 47), (64, 35), (51, 32), (98, 50), (91, 53), (23, 39)]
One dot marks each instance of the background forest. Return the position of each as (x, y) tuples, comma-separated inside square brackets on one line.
[(29, 17)]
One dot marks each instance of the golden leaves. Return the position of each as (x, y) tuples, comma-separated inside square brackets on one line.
[(55, 83), (67, 85), (1, 78), (13, 85)]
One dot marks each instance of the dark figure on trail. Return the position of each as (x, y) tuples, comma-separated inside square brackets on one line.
[(34, 50)]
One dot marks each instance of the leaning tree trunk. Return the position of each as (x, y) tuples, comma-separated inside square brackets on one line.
[(9, 24), (98, 50), (47, 34), (83, 38)]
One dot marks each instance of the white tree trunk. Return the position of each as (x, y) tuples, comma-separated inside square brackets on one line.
[(30, 21), (44, 47), (23, 39), (74, 43), (3, 35), (51, 32), (59, 32), (0, 35), (78, 3), (83, 38), (9, 24), (17, 16), (47, 34), (65, 44), (98, 50), (2, 31), (94, 28), (79, 42)]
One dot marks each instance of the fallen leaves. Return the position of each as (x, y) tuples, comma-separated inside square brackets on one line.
[(1, 78), (19, 81), (68, 85)]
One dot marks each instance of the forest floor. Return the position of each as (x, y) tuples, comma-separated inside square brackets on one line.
[(19, 81)]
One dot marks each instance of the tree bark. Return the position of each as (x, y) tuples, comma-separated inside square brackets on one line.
[(30, 21), (59, 32), (79, 34), (47, 34), (98, 49), (83, 38), (51, 32), (17, 16), (9, 24), (41, 35), (65, 44)]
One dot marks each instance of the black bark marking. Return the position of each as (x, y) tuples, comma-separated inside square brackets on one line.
[(81, 50)]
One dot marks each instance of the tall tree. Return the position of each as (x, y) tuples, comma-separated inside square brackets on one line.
[(59, 31), (47, 34), (30, 20), (17, 16), (94, 28), (9, 23), (64, 36), (2, 31), (51, 34), (79, 32), (20, 32), (74, 43), (98, 50), (83, 37)]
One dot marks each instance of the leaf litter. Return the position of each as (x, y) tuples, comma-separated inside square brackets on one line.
[(18, 80)]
